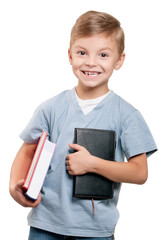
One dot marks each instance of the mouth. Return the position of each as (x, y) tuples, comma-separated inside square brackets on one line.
[(91, 73)]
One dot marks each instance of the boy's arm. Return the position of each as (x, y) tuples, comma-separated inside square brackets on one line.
[(19, 170), (133, 171)]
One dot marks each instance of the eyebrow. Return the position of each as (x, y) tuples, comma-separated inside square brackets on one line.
[(78, 46), (107, 48), (102, 49)]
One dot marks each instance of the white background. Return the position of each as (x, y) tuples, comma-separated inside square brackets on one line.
[(34, 38)]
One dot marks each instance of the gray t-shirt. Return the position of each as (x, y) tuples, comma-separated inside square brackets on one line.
[(58, 211)]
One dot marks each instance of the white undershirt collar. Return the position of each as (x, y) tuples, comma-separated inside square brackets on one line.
[(89, 104)]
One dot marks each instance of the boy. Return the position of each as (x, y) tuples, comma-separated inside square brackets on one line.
[(96, 49)]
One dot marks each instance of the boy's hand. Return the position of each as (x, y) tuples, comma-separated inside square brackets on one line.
[(18, 195), (78, 163)]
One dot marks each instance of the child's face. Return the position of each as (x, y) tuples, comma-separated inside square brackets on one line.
[(93, 60)]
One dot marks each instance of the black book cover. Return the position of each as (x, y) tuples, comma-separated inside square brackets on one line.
[(100, 143)]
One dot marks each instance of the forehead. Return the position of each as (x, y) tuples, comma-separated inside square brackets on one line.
[(98, 41)]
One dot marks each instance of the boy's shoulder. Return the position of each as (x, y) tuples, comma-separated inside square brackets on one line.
[(122, 103), (124, 108), (55, 105), (56, 101)]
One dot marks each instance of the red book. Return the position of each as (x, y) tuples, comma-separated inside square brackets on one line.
[(39, 167)]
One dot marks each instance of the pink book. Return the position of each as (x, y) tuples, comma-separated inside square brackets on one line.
[(39, 167)]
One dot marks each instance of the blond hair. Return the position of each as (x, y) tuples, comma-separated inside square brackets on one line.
[(93, 22)]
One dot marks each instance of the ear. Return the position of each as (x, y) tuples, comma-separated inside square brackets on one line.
[(120, 61), (69, 56)]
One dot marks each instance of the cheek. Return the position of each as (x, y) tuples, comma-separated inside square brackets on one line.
[(77, 63), (75, 68), (109, 66), (106, 66)]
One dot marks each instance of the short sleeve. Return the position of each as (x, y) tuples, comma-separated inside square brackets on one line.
[(37, 124), (136, 137)]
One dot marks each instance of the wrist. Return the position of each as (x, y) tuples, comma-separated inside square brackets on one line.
[(93, 164)]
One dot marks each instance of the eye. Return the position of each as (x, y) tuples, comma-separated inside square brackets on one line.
[(103, 55), (81, 53)]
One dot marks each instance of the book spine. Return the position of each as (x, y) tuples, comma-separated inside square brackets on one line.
[(34, 161)]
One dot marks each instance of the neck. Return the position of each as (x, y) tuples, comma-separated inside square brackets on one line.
[(90, 93)]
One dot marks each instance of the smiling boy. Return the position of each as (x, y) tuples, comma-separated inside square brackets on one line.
[(93, 61), (96, 49)]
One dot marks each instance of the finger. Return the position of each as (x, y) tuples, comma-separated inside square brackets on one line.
[(29, 203), (70, 172), (76, 147), (36, 203), (68, 167), (67, 157), (67, 163)]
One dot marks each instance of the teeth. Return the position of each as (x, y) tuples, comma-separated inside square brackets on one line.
[(91, 73)]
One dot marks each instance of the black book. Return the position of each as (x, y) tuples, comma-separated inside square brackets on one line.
[(100, 143)]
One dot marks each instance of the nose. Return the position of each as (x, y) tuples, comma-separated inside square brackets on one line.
[(91, 61)]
